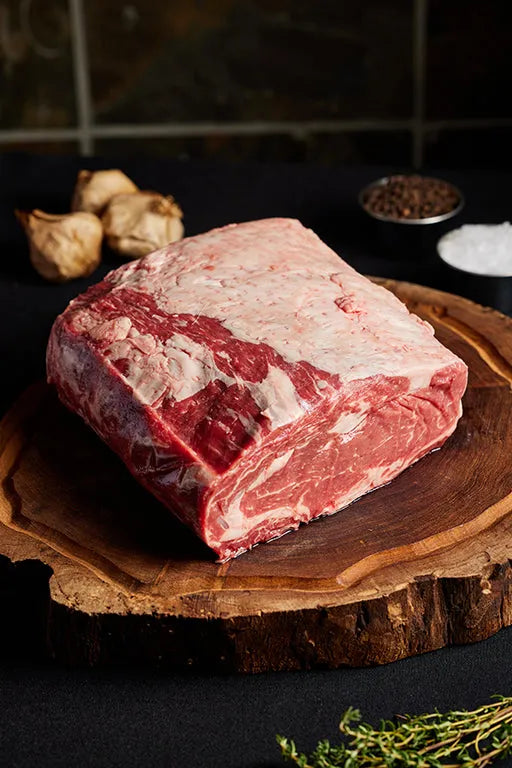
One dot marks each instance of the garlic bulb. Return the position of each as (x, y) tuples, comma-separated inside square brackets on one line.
[(63, 246), (142, 222), (95, 189)]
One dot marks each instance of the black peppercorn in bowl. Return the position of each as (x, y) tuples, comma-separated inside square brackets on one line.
[(409, 213)]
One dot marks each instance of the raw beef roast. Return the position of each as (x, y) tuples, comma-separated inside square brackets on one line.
[(252, 380)]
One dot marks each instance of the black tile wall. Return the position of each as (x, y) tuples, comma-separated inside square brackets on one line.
[(262, 61), (36, 72), (469, 59), (41, 147), (236, 60)]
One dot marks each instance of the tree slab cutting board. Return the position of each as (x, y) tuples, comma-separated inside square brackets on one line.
[(93, 570)]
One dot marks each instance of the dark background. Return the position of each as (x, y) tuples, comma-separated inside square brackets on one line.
[(254, 108), (58, 717), (61, 718), (422, 82)]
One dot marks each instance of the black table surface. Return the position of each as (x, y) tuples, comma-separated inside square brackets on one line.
[(52, 716)]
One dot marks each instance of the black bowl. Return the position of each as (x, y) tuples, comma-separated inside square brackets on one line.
[(407, 238), (489, 290)]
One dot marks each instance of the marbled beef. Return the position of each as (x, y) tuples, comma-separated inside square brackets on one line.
[(252, 380)]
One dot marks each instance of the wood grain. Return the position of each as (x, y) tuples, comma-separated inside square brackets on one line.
[(418, 564)]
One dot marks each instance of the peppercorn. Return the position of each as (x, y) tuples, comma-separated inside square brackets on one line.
[(411, 197)]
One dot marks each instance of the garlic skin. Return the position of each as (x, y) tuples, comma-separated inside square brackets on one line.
[(63, 246), (95, 189), (140, 223)]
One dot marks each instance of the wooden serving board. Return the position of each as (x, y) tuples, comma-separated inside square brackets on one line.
[(416, 565)]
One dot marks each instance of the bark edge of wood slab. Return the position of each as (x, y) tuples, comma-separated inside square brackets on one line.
[(94, 571)]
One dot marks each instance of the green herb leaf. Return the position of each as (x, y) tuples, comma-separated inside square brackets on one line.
[(457, 739)]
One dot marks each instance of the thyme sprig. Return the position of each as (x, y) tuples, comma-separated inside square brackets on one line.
[(457, 739)]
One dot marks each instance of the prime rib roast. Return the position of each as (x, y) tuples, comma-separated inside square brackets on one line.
[(252, 380)]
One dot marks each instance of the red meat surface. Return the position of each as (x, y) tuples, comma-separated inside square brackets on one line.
[(252, 380)]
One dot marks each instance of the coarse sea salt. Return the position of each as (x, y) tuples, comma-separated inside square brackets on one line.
[(483, 249)]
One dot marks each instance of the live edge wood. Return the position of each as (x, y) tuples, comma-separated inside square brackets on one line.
[(93, 570)]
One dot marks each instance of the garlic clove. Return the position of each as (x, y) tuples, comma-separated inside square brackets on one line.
[(94, 189), (139, 223), (63, 246)]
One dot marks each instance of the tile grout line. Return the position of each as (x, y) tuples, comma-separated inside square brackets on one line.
[(468, 123), (248, 128), (419, 74), (81, 77), (151, 130)]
